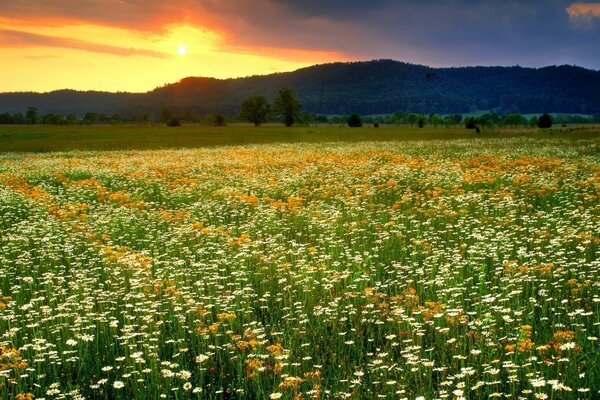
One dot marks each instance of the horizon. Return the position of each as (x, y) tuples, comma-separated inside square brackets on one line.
[(133, 47), (165, 84)]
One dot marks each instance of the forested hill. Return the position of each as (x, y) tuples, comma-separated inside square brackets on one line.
[(373, 87)]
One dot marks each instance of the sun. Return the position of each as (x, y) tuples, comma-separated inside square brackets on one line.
[(181, 50)]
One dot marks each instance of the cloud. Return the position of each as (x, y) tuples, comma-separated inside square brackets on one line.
[(13, 38), (437, 32), (584, 10)]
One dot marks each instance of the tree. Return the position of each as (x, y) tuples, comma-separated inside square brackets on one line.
[(354, 121), (545, 121), (6, 119), (515, 119), (19, 119), (255, 109), (174, 122), (470, 123), (31, 115), (287, 106), (422, 121), (165, 115), (533, 121), (214, 119)]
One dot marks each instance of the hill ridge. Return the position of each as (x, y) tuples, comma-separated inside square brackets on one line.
[(366, 87)]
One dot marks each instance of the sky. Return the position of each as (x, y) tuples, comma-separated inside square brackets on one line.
[(137, 45)]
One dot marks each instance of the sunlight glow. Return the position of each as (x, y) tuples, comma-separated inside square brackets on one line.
[(85, 56)]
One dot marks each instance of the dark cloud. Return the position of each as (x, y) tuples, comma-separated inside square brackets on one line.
[(437, 32)]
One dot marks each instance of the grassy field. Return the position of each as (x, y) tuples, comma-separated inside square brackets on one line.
[(411, 269), (40, 138)]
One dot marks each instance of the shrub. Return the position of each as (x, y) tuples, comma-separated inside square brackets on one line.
[(173, 122), (354, 121), (545, 121)]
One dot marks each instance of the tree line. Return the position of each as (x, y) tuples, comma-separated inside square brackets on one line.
[(286, 109)]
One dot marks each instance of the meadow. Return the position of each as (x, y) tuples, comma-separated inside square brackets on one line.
[(460, 268), (45, 138)]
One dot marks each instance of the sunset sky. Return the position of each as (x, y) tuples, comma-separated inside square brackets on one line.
[(136, 45)]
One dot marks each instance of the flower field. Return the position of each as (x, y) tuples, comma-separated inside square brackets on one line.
[(456, 269)]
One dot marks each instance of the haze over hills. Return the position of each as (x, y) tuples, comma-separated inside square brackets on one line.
[(372, 87)]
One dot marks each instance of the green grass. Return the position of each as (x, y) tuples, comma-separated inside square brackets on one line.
[(42, 138)]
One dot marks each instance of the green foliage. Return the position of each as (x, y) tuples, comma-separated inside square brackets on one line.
[(214, 120), (31, 115), (165, 115), (514, 120), (174, 122), (545, 121), (286, 106), (354, 121), (533, 121), (422, 121), (255, 109), (470, 123), (6, 119)]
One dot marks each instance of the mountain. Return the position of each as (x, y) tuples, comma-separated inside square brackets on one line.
[(371, 87)]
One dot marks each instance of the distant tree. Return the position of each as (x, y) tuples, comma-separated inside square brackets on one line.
[(91, 118), (214, 119), (545, 121), (514, 120), (165, 115), (6, 119), (435, 119), (470, 123), (354, 121), (31, 115), (174, 122), (533, 121), (71, 119), (422, 121), (453, 119), (209, 119), (53, 119), (255, 109), (286, 106), (19, 119), (411, 118), (489, 119)]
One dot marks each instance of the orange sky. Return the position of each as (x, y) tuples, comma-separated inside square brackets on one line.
[(134, 45), (85, 52)]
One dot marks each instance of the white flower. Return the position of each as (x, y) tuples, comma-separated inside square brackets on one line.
[(185, 375), (71, 342), (568, 346), (201, 358), (275, 395), (87, 338), (118, 385)]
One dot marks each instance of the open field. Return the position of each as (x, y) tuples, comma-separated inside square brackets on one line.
[(43, 138), (409, 269)]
